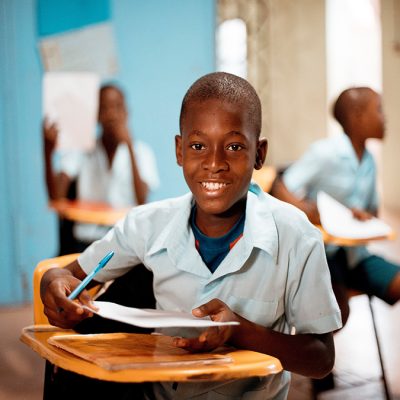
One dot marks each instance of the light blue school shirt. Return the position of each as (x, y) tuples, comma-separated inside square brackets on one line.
[(331, 165), (276, 276)]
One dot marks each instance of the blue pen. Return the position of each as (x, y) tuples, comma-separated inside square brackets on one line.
[(75, 293)]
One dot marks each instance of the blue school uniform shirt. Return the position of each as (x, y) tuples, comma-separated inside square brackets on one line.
[(331, 165), (276, 275)]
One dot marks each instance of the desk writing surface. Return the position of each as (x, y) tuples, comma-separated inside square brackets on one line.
[(118, 351), (88, 212), (343, 241), (230, 364)]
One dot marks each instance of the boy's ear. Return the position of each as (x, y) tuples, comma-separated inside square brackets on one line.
[(178, 149), (262, 148)]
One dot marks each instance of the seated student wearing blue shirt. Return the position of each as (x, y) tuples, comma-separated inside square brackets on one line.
[(343, 167), (225, 250)]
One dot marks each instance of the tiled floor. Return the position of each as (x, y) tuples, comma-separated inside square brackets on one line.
[(357, 370)]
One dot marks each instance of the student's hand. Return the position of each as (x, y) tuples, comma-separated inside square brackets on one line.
[(61, 311), (50, 134), (213, 337), (361, 214), (120, 132)]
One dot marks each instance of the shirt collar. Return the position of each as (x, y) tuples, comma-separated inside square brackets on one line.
[(344, 146), (260, 228), (345, 149), (259, 231)]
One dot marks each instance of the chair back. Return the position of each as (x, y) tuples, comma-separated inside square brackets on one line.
[(39, 317)]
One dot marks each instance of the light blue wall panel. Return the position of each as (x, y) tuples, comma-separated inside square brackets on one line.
[(163, 47), (27, 229)]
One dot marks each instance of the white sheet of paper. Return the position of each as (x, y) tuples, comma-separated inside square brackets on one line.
[(70, 99), (338, 221), (148, 318)]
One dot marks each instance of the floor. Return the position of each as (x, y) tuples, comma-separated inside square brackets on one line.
[(356, 370)]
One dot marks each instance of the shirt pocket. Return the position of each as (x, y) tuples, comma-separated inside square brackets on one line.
[(263, 312)]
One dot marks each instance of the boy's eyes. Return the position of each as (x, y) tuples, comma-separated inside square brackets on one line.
[(197, 146), (231, 147), (235, 147)]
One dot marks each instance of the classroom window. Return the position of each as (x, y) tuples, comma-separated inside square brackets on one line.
[(231, 47), (354, 53)]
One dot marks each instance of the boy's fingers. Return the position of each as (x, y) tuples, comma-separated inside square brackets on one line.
[(212, 307), (86, 299), (193, 345), (63, 319), (68, 306)]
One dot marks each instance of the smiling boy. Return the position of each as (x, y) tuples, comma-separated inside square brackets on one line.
[(226, 249)]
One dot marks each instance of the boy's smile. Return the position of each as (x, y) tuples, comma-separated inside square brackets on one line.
[(218, 150)]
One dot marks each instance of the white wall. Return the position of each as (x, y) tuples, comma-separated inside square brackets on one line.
[(391, 93)]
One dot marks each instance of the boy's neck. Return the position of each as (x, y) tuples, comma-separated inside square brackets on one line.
[(358, 146), (110, 145), (217, 225)]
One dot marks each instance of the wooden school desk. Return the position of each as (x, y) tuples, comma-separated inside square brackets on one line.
[(233, 364), (230, 363), (88, 212), (349, 242)]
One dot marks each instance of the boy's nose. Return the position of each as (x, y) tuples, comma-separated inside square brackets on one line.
[(215, 161)]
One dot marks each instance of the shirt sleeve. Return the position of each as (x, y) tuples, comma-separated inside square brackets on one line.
[(310, 301), (71, 163), (303, 173), (147, 165), (127, 245), (373, 203)]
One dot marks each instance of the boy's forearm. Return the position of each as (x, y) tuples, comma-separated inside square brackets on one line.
[(140, 188), (280, 191), (57, 184), (309, 355), (50, 178)]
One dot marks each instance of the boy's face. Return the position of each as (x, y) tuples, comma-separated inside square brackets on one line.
[(218, 150), (112, 110), (373, 120)]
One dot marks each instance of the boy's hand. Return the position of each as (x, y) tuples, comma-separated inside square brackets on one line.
[(50, 133), (213, 337), (61, 311), (120, 132), (361, 215)]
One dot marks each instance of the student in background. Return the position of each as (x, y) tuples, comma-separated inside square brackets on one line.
[(118, 171), (225, 250), (342, 167)]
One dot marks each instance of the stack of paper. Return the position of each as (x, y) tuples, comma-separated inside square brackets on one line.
[(338, 220)]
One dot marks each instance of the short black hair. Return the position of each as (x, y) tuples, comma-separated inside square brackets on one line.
[(112, 86), (225, 87), (349, 101)]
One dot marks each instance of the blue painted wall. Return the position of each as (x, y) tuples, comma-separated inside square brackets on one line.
[(63, 15), (163, 46)]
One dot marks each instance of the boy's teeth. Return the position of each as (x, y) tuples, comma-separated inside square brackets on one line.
[(213, 185)]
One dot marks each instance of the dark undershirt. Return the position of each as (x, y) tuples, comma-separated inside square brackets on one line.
[(214, 250)]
